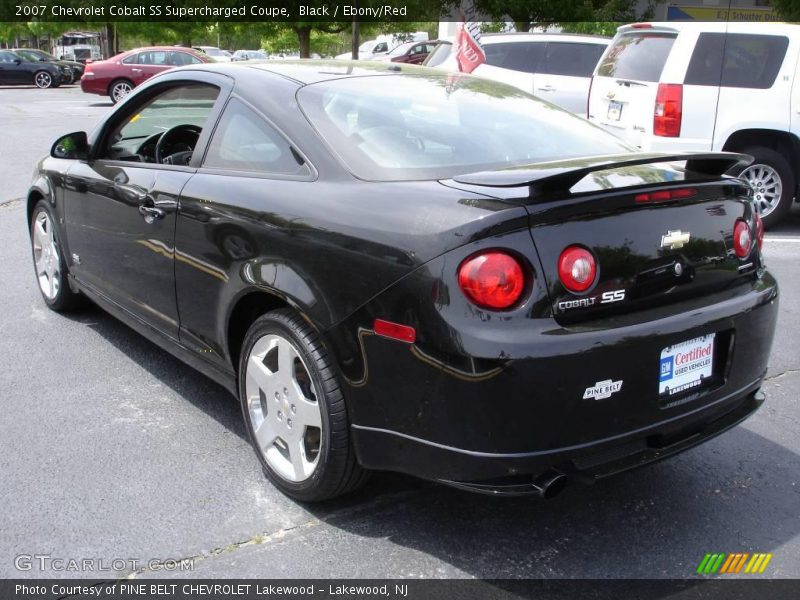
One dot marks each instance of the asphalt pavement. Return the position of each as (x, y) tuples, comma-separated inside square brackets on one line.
[(113, 450)]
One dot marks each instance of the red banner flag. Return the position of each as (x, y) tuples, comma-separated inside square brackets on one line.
[(469, 52)]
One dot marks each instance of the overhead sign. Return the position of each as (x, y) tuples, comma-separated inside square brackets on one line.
[(706, 13)]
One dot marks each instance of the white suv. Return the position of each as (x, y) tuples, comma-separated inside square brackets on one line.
[(708, 86), (556, 67)]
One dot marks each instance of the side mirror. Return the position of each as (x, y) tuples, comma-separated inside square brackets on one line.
[(72, 146), (17, 61)]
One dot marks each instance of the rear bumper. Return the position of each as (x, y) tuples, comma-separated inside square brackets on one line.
[(586, 462), (510, 401), (92, 85)]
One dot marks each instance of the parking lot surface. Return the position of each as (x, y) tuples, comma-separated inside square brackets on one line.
[(111, 449)]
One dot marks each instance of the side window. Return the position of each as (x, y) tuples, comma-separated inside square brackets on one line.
[(382, 47), (740, 61), (180, 59), (518, 56), (243, 141), (155, 57), (7, 57), (573, 59), (135, 136), (705, 66), (133, 59)]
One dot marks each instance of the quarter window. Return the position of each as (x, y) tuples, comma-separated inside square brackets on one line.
[(576, 60), (741, 60), (243, 141)]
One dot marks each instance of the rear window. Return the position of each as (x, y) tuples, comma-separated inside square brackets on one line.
[(437, 126), (576, 60), (743, 60), (518, 56), (637, 56)]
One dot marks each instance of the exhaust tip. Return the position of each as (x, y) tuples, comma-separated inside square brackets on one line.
[(550, 484)]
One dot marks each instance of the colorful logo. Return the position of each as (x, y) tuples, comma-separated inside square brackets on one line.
[(740, 562)]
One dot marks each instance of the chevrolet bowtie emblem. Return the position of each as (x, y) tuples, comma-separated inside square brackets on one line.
[(675, 239), (610, 95)]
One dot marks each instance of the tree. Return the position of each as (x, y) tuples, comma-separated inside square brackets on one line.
[(789, 10), (524, 13)]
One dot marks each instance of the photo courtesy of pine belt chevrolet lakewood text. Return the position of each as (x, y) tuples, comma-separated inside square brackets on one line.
[(398, 268)]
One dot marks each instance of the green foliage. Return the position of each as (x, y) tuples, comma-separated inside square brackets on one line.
[(789, 10)]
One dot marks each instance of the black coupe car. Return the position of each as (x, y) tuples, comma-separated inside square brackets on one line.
[(398, 268), (71, 69), (18, 70)]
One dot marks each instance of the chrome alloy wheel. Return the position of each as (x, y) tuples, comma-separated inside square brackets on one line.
[(120, 90), (283, 408), (45, 256), (43, 80), (767, 187)]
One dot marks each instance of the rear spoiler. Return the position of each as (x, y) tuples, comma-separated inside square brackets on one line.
[(560, 176)]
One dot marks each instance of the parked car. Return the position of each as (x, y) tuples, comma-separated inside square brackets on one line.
[(118, 75), (17, 70), (439, 55), (249, 55), (369, 50), (410, 52), (411, 271), (215, 53), (72, 70), (709, 86), (557, 67)]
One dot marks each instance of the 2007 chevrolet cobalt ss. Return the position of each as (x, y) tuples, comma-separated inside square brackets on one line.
[(415, 271)]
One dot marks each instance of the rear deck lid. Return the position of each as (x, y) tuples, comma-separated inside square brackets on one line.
[(659, 227)]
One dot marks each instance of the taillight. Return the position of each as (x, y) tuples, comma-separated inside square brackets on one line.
[(577, 269), (668, 110), (493, 280), (663, 195), (742, 239), (641, 26), (759, 231)]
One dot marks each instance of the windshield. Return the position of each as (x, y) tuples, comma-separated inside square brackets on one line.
[(401, 49), (366, 46), (213, 51), (440, 54), (26, 55), (438, 126)]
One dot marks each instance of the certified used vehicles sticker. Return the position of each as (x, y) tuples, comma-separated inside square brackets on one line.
[(602, 389)]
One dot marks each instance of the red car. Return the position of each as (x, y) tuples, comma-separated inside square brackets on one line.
[(411, 52), (118, 75)]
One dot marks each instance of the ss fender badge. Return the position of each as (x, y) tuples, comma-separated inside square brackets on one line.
[(602, 390)]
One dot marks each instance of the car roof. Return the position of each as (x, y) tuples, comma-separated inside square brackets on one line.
[(517, 36), (307, 71), (711, 26)]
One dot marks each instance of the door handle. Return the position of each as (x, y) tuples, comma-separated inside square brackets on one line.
[(547, 88), (136, 70), (150, 212)]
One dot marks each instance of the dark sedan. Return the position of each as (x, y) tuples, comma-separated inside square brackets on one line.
[(72, 70), (18, 70), (415, 271)]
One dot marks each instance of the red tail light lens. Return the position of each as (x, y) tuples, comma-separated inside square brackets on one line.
[(662, 195), (577, 269), (742, 239), (493, 280), (759, 231), (668, 110)]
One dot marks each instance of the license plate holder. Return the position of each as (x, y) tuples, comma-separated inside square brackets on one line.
[(614, 110), (686, 365)]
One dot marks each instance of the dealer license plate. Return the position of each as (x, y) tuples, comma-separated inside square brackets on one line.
[(614, 110), (686, 365)]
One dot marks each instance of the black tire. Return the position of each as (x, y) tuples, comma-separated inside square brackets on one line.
[(119, 83), (64, 299), (337, 471), (44, 80), (779, 165)]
